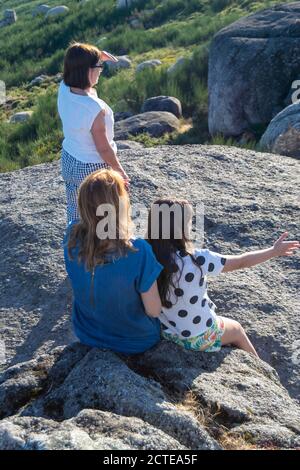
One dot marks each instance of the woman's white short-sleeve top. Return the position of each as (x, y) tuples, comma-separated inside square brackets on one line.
[(77, 113)]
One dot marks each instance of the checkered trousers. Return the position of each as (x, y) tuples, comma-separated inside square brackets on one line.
[(73, 173)]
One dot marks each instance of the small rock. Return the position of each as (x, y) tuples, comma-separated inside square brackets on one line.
[(40, 10), (123, 63), (163, 103), (22, 116), (282, 135), (174, 67), (148, 64), (38, 80), (56, 11), (136, 24)]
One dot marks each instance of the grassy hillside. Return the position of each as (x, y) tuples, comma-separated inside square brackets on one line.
[(171, 29)]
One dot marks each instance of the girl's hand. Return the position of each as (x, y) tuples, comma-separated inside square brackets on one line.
[(282, 248)]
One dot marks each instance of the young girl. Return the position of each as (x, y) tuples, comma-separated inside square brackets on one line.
[(188, 315), (113, 277)]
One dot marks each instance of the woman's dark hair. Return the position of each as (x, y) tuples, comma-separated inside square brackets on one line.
[(167, 235), (77, 62)]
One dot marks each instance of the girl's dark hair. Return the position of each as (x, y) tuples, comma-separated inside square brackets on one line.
[(176, 226), (77, 62)]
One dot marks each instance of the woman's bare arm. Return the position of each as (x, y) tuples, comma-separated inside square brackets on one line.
[(151, 301), (103, 146)]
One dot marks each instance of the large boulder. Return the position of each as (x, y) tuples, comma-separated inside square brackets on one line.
[(283, 133), (155, 123), (163, 103), (252, 65), (187, 397)]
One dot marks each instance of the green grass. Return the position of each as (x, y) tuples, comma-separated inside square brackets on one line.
[(173, 29)]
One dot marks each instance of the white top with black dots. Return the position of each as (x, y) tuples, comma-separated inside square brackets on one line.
[(192, 311)]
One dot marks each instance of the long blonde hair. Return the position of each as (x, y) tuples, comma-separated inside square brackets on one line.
[(99, 188)]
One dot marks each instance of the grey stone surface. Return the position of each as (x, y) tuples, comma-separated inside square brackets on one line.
[(128, 144), (124, 62), (89, 430), (250, 198), (252, 65), (244, 393), (100, 380)]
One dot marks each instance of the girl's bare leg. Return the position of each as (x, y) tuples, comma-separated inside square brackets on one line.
[(235, 334)]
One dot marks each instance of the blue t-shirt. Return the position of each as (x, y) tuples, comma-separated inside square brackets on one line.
[(113, 316)]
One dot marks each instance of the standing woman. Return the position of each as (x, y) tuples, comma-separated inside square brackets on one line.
[(88, 122)]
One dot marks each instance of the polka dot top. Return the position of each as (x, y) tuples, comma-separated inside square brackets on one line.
[(191, 312)]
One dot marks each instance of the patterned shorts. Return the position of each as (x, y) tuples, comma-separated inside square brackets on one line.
[(74, 172), (209, 341)]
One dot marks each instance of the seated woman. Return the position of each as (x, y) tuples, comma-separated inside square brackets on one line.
[(113, 276)]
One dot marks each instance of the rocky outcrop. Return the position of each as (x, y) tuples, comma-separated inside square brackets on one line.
[(252, 66), (154, 123), (58, 396), (75, 391), (283, 133)]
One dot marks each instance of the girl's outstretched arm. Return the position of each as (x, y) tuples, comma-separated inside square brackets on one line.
[(246, 260)]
